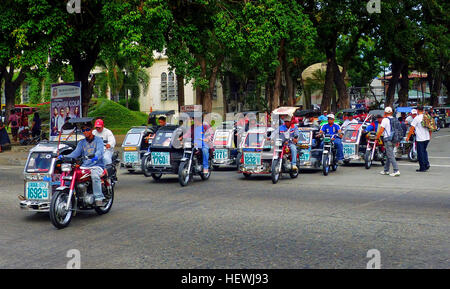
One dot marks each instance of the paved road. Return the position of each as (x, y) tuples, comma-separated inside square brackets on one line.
[(230, 222)]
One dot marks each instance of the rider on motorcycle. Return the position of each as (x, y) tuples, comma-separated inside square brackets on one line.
[(293, 139), (104, 133), (200, 142), (334, 130), (374, 125), (91, 145)]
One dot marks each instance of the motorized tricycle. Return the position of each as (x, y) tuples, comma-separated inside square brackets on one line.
[(408, 148), (224, 146), (354, 143), (256, 152), (164, 154), (135, 145)]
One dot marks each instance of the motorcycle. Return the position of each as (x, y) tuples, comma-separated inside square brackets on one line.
[(282, 160), (408, 148), (191, 163), (375, 151), (75, 192), (328, 155)]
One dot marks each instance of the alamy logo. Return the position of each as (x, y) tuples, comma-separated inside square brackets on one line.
[(75, 261), (373, 6), (375, 261), (74, 6)]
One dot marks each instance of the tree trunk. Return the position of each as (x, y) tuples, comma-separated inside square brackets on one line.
[(180, 91), (328, 89), (277, 84), (436, 88), (11, 87), (81, 70), (403, 93), (289, 85), (339, 81), (396, 69)]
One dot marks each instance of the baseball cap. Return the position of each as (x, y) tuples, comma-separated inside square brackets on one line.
[(98, 123), (414, 111), (330, 116), (388, 109)]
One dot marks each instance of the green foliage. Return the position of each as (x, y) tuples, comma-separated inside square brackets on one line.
[(133, 103), (116, 117)]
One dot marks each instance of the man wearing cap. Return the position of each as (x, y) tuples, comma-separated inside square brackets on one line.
[(293, 139), (323, 117), (87, 147), (385, 130), (104, 133), (423, 136), (333, 130)]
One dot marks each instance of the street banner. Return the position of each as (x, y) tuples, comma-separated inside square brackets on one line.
[(65, 104)]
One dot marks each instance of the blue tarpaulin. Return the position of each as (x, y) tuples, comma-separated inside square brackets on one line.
[(406, 109)]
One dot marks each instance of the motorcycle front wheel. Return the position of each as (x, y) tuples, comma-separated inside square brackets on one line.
[(59, 216), (368, 159), (325, 166), (144, 165), (183, 175), (412, 155), (276, 173)]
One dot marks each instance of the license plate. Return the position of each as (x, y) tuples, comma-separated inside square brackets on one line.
[(252, 159), (160, 158), (349, 150), (37, 190), (131, 157), (305, 155), (220, 154)]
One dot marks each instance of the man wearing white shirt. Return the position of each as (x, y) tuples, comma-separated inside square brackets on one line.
[(385, 130), (348, 121), (423, 136), (107, 136)]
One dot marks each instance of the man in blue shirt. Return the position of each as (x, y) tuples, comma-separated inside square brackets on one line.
[(199, 134), (91, 145), (333, 130), (323, 117), (293, 139), (375, 125)]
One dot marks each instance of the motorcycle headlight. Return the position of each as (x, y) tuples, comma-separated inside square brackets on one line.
[(66, 167), (187, 145)]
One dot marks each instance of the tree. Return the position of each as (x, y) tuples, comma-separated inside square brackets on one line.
[(109, 27), (24, 42)]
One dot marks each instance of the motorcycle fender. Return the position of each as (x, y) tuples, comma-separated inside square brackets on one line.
[(146, 154), (62, 188), (184, 159), (325, 152)]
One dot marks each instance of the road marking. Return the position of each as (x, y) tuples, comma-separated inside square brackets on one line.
[(441, 136), (439, 157), (432, 166)]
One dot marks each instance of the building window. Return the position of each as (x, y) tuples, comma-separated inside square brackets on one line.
[(163, 86), (172, 87)]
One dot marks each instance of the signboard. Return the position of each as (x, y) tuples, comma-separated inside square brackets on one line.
[(65, 104), (191, 108)]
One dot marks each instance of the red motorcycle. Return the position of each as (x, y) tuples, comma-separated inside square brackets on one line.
[(75, 192)]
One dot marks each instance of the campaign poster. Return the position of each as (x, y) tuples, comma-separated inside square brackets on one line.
[(65, 104)]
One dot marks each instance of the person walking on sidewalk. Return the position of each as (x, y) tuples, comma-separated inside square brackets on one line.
[(386, 130), (423, 136)]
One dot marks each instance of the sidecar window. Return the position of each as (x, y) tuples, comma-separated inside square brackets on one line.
[(255, 140), (304, 137), (132, 139), (162, 138), (350, 136), (39, 163)]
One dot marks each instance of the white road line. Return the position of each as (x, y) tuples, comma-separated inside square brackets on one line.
[(432, 166), (439, 136), (439, 157)]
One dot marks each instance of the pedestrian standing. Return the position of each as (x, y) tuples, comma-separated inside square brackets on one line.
[(13, 122), (386, 130), (423, 136), (4, 138), (36, 125)]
